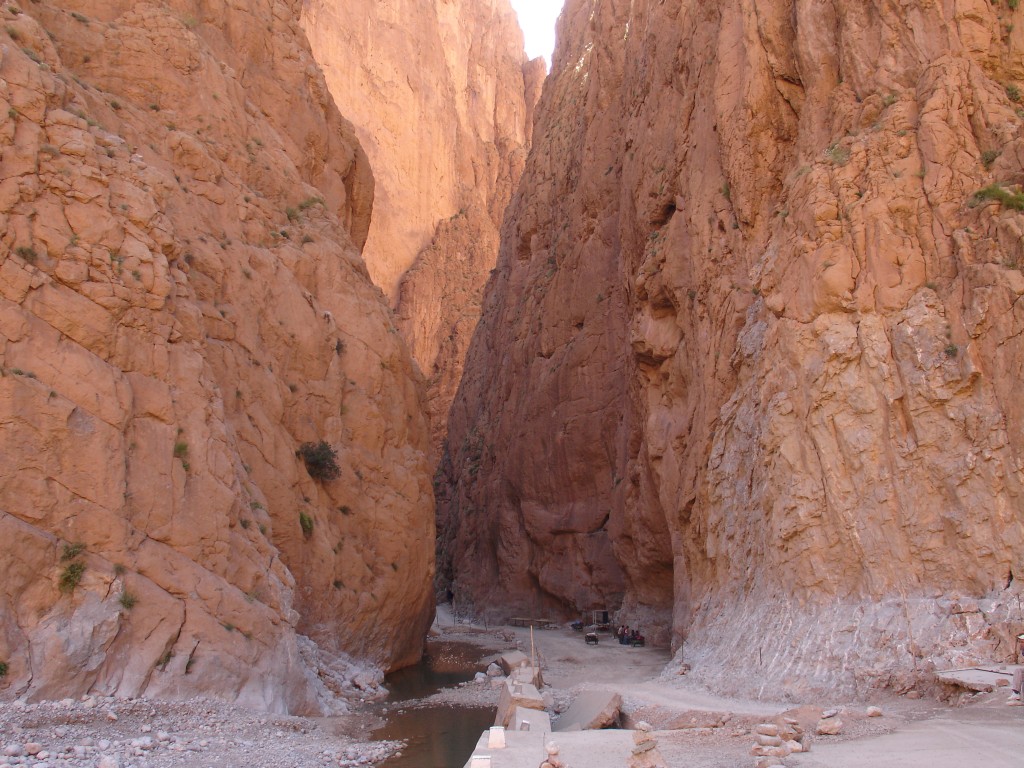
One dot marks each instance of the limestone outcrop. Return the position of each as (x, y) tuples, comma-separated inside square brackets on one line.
[(183, 305), (747, 367), (442, 97)]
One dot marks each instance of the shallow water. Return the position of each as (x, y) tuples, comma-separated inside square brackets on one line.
[(440, 736), (444, 665)]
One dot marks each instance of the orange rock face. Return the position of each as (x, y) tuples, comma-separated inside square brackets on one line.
[(747, 366), (182, 305), (442, 98)]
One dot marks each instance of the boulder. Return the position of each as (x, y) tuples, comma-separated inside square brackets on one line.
[(590, 711)]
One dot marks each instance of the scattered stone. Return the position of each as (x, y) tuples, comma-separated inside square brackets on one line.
[(913, 694), (874, 712), (33, 748), (829, 713), (645, 752), (829, 727), (493, 670), (767, 729)]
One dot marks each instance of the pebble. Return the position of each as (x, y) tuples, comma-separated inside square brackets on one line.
[(874, 712)]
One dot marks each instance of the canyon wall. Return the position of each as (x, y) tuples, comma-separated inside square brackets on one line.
[(746, 367), (442, 97), (182, 305)]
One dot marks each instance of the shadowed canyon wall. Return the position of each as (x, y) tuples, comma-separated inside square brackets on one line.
[(442, 97), (749, 363), (182, 304)]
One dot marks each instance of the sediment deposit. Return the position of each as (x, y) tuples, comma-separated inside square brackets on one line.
[(748, 363), (182, 305)]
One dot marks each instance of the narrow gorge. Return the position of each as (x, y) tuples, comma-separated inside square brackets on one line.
[(313, 312)]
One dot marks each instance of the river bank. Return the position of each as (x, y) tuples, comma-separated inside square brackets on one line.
[(693, 727)]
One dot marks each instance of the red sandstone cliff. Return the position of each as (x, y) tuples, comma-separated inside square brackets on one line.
[(748, 363), (442, 97), (182, 304)]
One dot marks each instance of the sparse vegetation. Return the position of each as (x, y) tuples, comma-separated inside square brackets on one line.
[(71, 551), (13, 33), (338, 584), (951, 350), (27, 253), (838, 155), (115, 105), (1013, 93), (989, 156), (888, 100), (321, 460), (164, 660), (119, 570), (306, 523), (245, 523), (3, 669), (71, 577), (181, 450), (127, 600), (345, 509), (1006, 198), (79, 17)]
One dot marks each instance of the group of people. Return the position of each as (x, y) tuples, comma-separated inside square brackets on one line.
[(629, 636)]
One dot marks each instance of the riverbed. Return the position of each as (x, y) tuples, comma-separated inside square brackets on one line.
[(436, 736)]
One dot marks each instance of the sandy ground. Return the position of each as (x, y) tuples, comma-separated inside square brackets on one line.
[(694, 728)]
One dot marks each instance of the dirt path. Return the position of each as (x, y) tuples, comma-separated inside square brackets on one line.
[(698, 729)]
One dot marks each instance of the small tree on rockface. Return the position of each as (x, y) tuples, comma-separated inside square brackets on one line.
[(321, 460)]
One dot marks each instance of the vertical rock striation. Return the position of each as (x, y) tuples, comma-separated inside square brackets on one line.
[(182, 305), (747, 364), (441, 96)]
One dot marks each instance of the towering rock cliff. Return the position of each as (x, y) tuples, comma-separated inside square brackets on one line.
[(182, 306), (442, 97), (748, 366)]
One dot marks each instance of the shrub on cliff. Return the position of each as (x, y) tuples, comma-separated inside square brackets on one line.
[(321, 460)]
